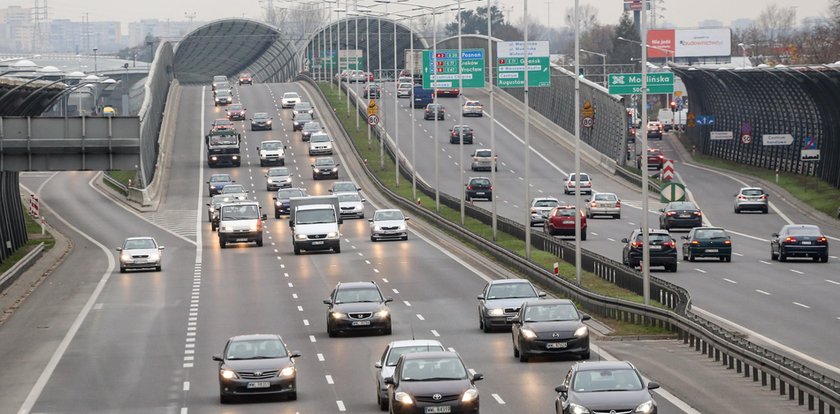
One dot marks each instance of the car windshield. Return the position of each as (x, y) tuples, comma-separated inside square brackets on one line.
[(132, 244), (291, 95), (511, 290), (405, 86), (366, 294), (753, 192), (344, 187), (606, 380), (432, 107), (710, 234), (278, 172), (545, 203), (312, 126), (804, 231), (388, 215), (484, 153), (437, 369), (583, 177), (472, 103), (548, 313), (286, 194), (260, 115), (235, 107), (223, 139), (272, 145), (349, 198), (320, 138), (324, 162), (256, 349), (397, 352), (222, 92), (302, 106), (315, 216), (220, 179), (235, 188), (240, 212)]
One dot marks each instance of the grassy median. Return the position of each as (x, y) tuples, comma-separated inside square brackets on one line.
[(33, 229)]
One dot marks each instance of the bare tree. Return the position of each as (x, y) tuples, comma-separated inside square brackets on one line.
[(588, 17), (775, 25)]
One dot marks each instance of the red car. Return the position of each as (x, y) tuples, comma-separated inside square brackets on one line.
[(245, 78), (236, 112), (561, 221), (451, 92), (655, 157), (221, 124)]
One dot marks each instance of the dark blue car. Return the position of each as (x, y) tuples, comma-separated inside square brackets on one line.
[(217, 182)]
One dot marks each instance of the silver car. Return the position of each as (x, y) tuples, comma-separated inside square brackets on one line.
[(751, 198), (605, 204), (404, 90), (140, 253), (388, 224), (482, 160), (472, 108), (500, 301), (277, 178), (386, 364), (352, 205), (540, 207)]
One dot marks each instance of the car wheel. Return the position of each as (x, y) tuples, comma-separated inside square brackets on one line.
[(277, 216), (225, 399), (158, 268), (387, 330), (585, 356), (672, 268), (262, 164), (373, 239), (122, 269), (618, 216), (337, 249), (782, 257), (330, 331), (764, 211), (383, 403), (259, 242), (222, 243), (583, 235), (523, 356), (405, 237), (824, 258), (515, 351), (297, 250), (737, 210), (292, 396), (728, 259), (691, 257)]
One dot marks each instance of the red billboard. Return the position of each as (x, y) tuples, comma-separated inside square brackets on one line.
[(661, 43)]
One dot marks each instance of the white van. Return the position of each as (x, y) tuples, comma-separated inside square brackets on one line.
[(241, 222), (315, 223)]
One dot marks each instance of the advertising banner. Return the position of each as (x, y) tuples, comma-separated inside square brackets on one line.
[(689, 43), (661, 39)]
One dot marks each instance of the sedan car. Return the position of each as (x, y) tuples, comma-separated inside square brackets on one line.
[(351, 205), (799, 240), (388, 224), (549, 327), (472, 108), (604, 387), (432, 382), (459, 131), (140, 253), (217, 182), (540, 207), (261, 122), (751, 198), (256, 365), (478, 187), (221, 124), (483, 159), (277, 178), (433, 109), (233, 188), (236, 112), (680, 214), (603, 204), (303, 108), (357, 306), (308, 129), (500, 300), (223, 97), (404, 89), (281, 200), (561, 221), (707, 242), (371, 91), (663, 249), (300, 120), (585, 185), (324, 167), (386, 364), (320, 144), (344, 187), (289, 99), (246, 79)]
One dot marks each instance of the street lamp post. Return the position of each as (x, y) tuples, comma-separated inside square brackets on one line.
[(645, 215), (95, 70), (603, 63), (493, 164), (461, 113), (527, 109)]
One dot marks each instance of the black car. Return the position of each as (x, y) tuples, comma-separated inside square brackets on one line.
[(680, 214), (549, 327), (281, 199), (500, 300), (432, 109), (261, 122), (432, 382), (707, 242), (799, 240), (604, 387), (308, 129), (217, 182), (300, 120), (478, 187), (371, 91), (358, 306), (461, 130), (256, 365), (663, 249), (324, 167)]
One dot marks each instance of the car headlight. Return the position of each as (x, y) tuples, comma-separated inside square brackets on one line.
[(236, 157), (332, 235), (125, 257), (527, 333), (212, 187), (335, 169), (645, 407), (278, 203), (300, 236), (255, 227), (581, 332), (578, 409), (337, 315), (154, 256), (287, 372), (268, 122), (377, 228), (404, 398), (228, 374), (470, 395), (316, 170), (214, 158), (496, 312), (382, 314)]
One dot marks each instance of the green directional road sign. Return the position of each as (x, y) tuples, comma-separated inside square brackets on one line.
[(445, 72), (631, 83), (511, 64), (672, 192)]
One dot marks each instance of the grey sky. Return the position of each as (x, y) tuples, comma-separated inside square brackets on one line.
[(680, 13)]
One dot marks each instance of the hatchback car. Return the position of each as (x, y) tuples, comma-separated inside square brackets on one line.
[(344, 187), (140, 253), (483, 159), (472, 108), (245, 79), (433, 109), (236, 112), (751, 198), (540, 207), (655, 129), (300, 120), (458, 131), (324, 167), (289, 99), (604, 387), (217, 182), (303, 108), (549, 327), (371, 91), (585, 184), (357, 306), (277, 178), (655, 159), (256, 365), (404, 89), (308, 129), (261, 122), (799, 240), (351, 205), (386, 364), (432, 382), (478, 187), (282, 197), (707, 242), (320, 144), (500, 300), (388, 224), (663, 249), (561, 221), (603, 204), (680, 215)]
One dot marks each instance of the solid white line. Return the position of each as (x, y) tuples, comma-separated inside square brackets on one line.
[(498, 399), (730, 281), (833, 282), (763, 292), (801, 305)]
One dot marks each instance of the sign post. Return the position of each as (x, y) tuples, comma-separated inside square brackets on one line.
[(511, 64), (445, 73)]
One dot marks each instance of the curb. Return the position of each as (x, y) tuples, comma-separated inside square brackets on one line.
[(10, 276)]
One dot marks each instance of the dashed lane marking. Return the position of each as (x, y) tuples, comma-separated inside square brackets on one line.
[(801, 305), (763, 292)]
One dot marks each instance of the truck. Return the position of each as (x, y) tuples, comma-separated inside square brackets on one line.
[(315, 223), (223, 148), (414, 65)]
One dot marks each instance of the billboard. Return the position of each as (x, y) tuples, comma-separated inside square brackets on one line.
[(689, 43)]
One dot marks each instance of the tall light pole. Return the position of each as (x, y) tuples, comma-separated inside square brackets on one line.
[(356, 45), (603, 64), (527, 109), (578, 253), (95, 71), (461, 113), (645, 215), (396, 113), (493, 164)]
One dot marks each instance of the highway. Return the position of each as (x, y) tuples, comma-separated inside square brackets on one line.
[(100, 341), (753, 293)]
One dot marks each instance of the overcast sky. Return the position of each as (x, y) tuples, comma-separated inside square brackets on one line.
[(680, 13)]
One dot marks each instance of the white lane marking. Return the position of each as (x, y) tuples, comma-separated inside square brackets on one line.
[(329, 379), (730, 281), (396, 291), (738, 254), (406, 303), (300, 308), (294, 296), (700, 270), (320, 357), (385, 280), (186, 386), (498, 399), (797, 272), (801, 305), (833, 282), (762, 261), (367, 261), (763, 292), (291, 285), (184, 410), (312, 339), (435, 333), (306, 322), (340, 405), (375, 270), (608, 238), (419, 316)]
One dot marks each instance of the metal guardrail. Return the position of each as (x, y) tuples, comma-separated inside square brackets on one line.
[(114, 182), (792, 377), (8, 277)]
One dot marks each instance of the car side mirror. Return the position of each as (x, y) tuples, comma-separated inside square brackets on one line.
[(294, 354), (477, 377), (119, 249), (652, 385), (264, 217), (516, 320), (275, 198), (624, 240), (480, 297), (406, 218), (389, 380), (161, 247), (377, 364), (312, 165), (775, 235), (327, 302), (370, 220), (208, 182), (285, 147), (330, 190), (363, 200), (541, 294), (388, 300), (562, 389), (250, 119), (586, 200), (684, 237), (585, 317), (217, 358), (258, 148), (207, 204), (662, 210)]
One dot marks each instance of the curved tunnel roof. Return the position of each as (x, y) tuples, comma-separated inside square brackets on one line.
[(231, 46)]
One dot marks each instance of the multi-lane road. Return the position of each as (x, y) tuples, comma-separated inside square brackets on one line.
[(94, 340)]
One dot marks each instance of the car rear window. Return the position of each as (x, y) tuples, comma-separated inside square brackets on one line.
[(682, 206), (566, 212), (655, 237), (289, 193), (605, 197), (753, 192), (805, 231), (480, 182), (483, 153), (545, 203)]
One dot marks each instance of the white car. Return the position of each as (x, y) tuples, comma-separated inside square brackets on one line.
[(472, 108), (303, 107), (277, 178), (140, 253), (606, 204), (585, 184), (320, 144), (289, 99), (385, 366), (388, 224), (404, 90), (540, 207), (351, 204), (482, 160), (272, 152)]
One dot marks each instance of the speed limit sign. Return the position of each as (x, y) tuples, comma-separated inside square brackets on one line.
[(746, 138), (373, 119), (588, 121)]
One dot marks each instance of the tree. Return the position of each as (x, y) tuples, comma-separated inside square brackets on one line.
[(622, 51), (588, 17), (475, 22)]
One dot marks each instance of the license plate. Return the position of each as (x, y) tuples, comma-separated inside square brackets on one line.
[(141, 261), (655, 247), (390, 231), (361, 323), (242, 240), (479, 193), (806, 243), (685, 216), (259, 384), (556, 345), (438, 409), (316, 243), (711, 250), (568, 222)]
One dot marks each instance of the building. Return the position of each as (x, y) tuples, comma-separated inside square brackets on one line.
[(166, 29), (17, 30)]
